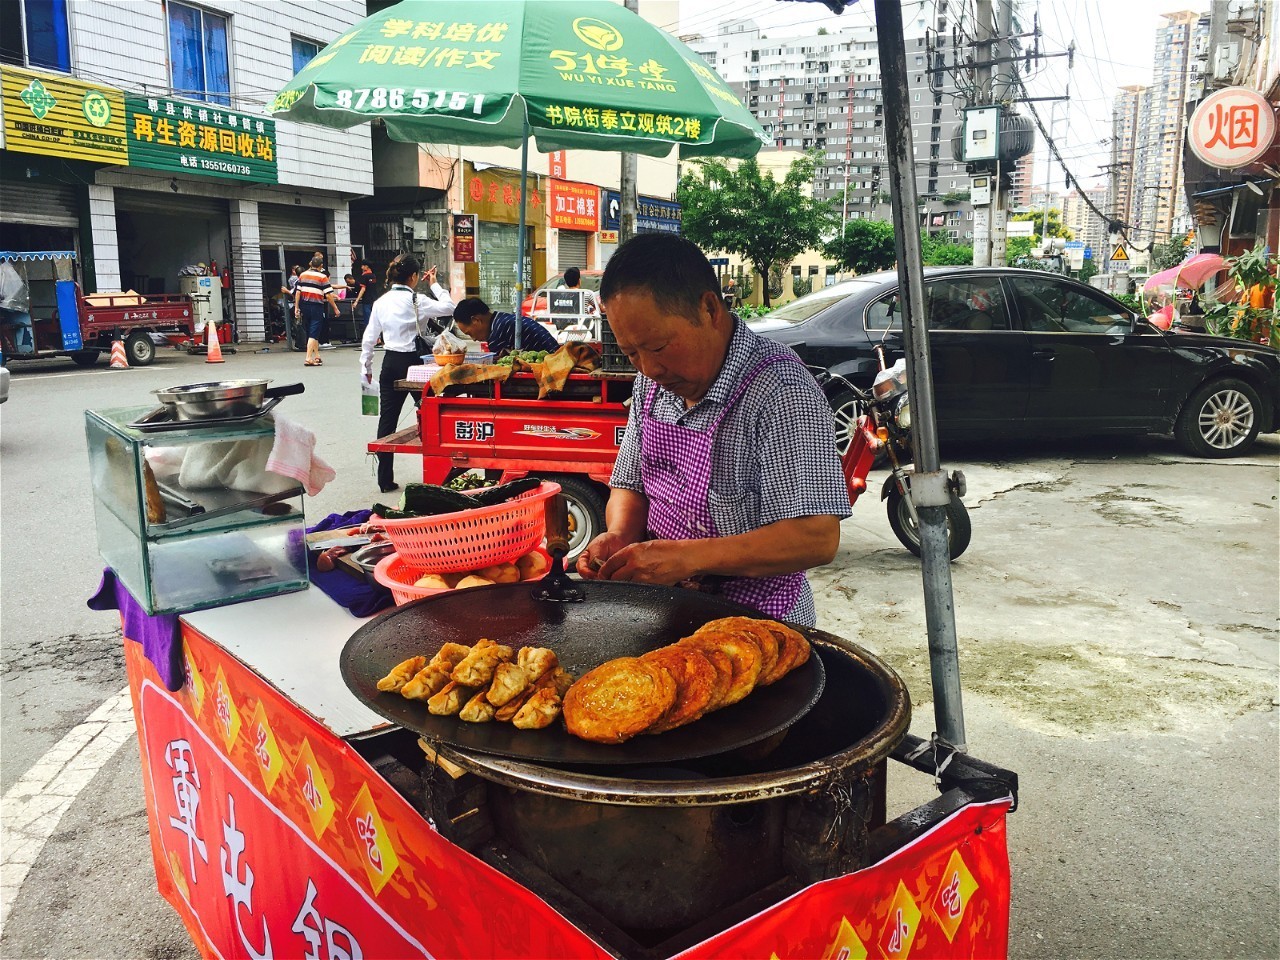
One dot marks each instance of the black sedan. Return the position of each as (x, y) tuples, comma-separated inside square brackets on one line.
[(1024, 353)]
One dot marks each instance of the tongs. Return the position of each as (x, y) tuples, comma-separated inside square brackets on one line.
[(556, 586)]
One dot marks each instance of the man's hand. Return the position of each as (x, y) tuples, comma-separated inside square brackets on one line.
[(655, 561), (598, 551)]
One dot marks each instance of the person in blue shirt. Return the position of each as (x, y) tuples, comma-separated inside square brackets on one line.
[(474, 318)]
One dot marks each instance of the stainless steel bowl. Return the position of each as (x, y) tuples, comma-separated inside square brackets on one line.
[(220, 398)]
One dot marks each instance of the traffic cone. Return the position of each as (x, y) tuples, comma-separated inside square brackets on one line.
[(118, 360), (214, 349)]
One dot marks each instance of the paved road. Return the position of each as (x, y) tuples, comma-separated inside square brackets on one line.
[(1117, 613)]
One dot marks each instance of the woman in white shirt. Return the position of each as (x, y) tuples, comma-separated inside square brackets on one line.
[(397, 318)]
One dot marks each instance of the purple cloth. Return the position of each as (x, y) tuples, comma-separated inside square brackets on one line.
[(159, 634), (361, 599)]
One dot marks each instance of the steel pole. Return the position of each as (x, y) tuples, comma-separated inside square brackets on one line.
[(524, 240), (930, 488), (628, 194)]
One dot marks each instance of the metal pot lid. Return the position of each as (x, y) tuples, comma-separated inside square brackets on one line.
[(615, 620), (214, 390)]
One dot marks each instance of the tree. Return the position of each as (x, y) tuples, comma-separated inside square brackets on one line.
[(941, 252), (746, 211), (1087, 269), (1017, 249), (1054, 220), (866, 246), (1168, 254)]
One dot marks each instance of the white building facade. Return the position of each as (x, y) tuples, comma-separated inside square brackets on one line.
[(193, 170)]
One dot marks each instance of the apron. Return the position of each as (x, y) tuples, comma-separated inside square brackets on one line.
[(675, 471)]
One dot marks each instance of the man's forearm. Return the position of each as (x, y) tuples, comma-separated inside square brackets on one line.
[(783, 547), (627, 514)]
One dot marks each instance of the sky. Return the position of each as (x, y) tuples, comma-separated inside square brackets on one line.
[(1114, 43)]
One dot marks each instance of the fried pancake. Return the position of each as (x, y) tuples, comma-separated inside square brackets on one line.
[(794, 650), (759, 634), (743, 652), (618, 699), (723, 664), (696, 680)]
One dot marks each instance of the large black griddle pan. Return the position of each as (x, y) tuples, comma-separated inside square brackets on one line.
[(610, 620)]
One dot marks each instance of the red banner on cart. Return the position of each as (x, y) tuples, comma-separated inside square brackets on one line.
[(272, 837), (946, 895)]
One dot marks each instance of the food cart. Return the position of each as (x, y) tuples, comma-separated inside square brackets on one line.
[(286, 818), (289, 817)]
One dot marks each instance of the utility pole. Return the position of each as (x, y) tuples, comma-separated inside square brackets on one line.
[(1002, 94), (630, 202), (984, 218)]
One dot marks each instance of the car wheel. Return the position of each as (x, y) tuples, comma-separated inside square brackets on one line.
[(85, 358), (959, 528), (586, 513), (1221, 419), (139, 349)]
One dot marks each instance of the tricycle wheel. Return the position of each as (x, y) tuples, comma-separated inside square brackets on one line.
[(586, 512), (139, 349), (959, 529), (85, 358)]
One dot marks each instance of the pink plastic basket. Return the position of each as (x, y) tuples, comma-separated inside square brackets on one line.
[(470, 539), (399, 577)]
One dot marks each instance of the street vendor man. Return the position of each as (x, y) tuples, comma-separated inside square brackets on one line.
[(728, 473), (474, 318)]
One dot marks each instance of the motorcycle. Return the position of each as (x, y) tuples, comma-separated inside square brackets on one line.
[(883, 432)]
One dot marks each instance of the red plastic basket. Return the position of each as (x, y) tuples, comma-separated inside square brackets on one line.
[(470, 539), (400, 577)]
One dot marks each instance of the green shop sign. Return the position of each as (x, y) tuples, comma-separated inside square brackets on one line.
[(202, 138)]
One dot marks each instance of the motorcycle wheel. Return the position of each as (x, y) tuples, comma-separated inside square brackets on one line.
[(959, 529)]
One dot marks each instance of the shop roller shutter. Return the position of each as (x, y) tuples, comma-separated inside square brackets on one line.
[(44, 204), (167, 203), (573, 250), (291, 225)]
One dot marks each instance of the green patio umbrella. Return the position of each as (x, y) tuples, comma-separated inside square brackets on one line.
[(582, 74), (570, 74)]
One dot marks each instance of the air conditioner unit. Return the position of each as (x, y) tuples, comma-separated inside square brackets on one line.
[(1226, 59)]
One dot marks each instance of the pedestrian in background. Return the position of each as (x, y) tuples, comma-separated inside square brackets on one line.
[(368, 291), (311, 293), (292, 281), (590, 302), (398, 318)]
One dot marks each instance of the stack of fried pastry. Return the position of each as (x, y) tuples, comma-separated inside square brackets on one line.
[(484, 682), (717, 665)]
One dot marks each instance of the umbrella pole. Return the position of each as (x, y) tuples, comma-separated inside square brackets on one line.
[(524, 240), (930, 488)]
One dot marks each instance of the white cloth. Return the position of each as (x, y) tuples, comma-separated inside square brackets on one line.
[(393, 319), (257, 465), (294, 455)]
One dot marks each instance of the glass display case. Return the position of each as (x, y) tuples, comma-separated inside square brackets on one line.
[(190, 518)]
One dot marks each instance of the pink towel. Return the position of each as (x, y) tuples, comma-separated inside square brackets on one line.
[(294, 455)]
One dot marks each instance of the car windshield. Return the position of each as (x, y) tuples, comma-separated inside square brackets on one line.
[(798, 311)]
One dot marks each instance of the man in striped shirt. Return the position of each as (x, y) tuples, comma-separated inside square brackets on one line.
[(309, 297)]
